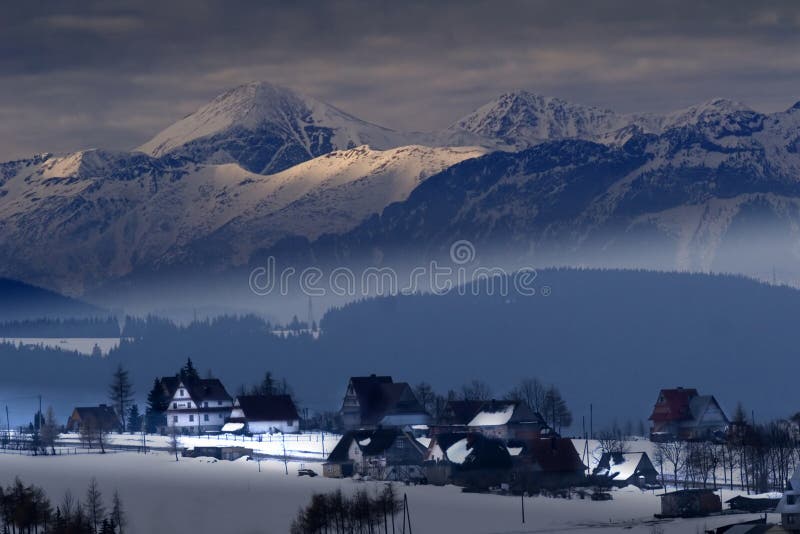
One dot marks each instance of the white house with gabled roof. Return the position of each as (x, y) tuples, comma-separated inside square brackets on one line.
[(200, 406)]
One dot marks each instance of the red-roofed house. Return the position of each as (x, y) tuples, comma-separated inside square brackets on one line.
[(682, 413)]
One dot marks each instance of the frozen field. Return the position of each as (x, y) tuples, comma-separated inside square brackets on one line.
[(197, 496)]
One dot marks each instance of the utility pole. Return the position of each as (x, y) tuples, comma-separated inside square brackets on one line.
[(285, 461), (41, 415), (591, 421), (522, 504)]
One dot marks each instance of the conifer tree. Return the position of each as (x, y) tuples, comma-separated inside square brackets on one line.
[(95, 509), (121, 393)]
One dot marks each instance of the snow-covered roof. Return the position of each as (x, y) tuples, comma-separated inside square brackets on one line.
[(621, 470), (458, 451), (493, 417), (232, 427), (425, 442)]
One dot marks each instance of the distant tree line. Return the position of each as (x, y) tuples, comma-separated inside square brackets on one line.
[(336, 513), (61, 328), (26, 509)]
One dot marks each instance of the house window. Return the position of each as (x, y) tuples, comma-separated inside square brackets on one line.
[(790, 499), (191, 419), (205, 405), (219, 403), (181, 393), (219, 415), (174, 418), (205, 417), (175, 405)]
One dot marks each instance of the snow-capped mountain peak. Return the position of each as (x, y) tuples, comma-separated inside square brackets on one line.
[(266, 128), (523, 118)]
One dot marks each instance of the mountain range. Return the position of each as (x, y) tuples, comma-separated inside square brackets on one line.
[(527, 178)]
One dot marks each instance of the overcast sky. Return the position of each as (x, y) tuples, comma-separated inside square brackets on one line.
[(111, 73)]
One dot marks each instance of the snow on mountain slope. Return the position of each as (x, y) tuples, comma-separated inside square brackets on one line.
[(267, 128), (329, 194), (95, 215)]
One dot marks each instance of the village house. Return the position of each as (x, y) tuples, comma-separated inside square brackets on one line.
[(381, 454), (500, 419), (263, 414), (625, 468), (201, 405), (789, 505), (102, 418), (547, 462), (467, 459), (376, 401), (683, 414)]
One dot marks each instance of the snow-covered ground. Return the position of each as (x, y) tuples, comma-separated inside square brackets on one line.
[(201, 496), (308, 445)]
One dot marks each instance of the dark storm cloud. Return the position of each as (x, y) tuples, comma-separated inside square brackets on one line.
[(112, 73)]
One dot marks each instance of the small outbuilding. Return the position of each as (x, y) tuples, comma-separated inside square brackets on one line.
[(690, 503), (220, 453), (625, 468)]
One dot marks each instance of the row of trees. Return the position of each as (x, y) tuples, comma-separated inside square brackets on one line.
[(336, 513), (27, 509), (758, 458), (544, 399)]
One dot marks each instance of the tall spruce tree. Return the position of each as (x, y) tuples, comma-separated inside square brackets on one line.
[(121, 393), (134, 419), (188, 373), (157, 404)]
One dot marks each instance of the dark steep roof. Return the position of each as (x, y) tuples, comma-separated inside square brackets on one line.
[(207, 389), (673, 404), (555, 454), (378, 396), (170, 384), (460, 412), (268, 407), (104, 415), (371, 442)]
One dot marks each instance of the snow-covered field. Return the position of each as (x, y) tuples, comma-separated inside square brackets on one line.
[(308, 445), (200, 496)]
